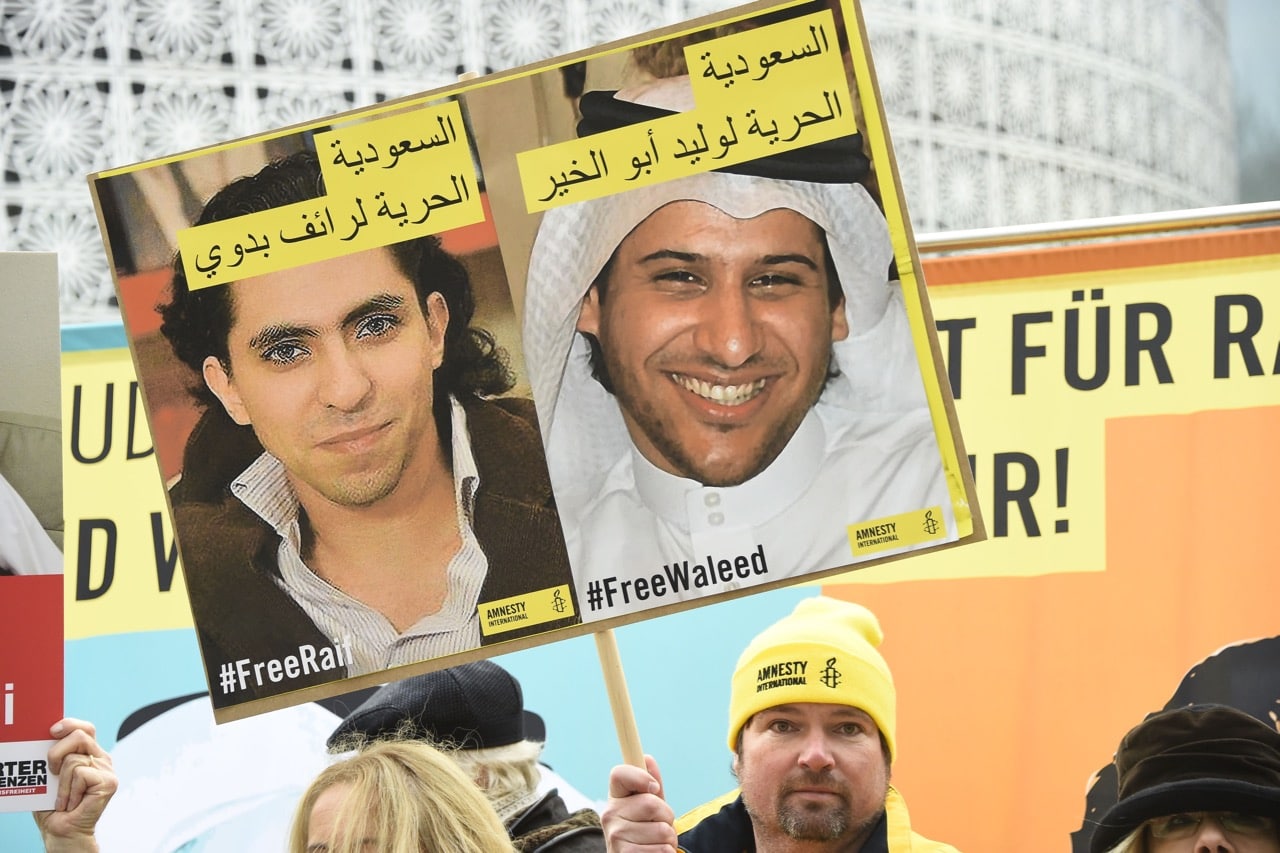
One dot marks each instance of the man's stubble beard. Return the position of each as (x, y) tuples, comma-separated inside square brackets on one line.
[(653, 424), (827, 824), (363, 489), (820, 824), (824, 825), (364, 492)]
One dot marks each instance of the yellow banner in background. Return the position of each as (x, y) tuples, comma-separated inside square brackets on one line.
[(122, 571), (1040, 365)]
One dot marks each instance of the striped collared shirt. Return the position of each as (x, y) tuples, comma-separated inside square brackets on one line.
[(374, 642)]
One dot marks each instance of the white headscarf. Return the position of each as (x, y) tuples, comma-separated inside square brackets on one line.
[(581, 423)]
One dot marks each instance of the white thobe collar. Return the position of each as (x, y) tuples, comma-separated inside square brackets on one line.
[(709, 512)]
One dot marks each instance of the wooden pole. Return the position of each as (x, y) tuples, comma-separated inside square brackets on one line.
[(615, 683)]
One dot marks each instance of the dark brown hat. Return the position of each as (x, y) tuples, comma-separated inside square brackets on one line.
[(1198, 758)]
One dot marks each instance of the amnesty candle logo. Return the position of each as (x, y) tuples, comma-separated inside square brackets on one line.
[(830, 675)]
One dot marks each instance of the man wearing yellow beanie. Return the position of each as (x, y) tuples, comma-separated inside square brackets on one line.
[(811, 726)]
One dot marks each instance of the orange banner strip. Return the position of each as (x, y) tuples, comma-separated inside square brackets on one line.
[(989, 266)]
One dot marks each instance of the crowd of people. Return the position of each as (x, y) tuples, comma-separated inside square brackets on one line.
[(449, 761)]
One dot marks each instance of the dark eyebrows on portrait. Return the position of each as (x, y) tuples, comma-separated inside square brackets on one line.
[(372, 305), (274, 334), (803, 260), (672, 255), (766, 260)]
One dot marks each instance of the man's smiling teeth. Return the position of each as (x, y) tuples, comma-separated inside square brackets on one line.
[(725, 395)]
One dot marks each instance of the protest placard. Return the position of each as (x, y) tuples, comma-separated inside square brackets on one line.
[(31, 529), (386, 316)]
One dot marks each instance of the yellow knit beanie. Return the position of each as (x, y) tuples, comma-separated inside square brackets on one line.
[(824, 651)]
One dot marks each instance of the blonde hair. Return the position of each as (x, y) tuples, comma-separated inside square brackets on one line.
[(503, 773), (406, 796), (1134, 842)]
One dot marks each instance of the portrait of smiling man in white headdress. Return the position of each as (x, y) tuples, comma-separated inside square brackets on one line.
[(725, 374)]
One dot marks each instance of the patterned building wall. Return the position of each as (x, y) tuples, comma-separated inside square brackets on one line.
[(1007, 112), (1003, 111)]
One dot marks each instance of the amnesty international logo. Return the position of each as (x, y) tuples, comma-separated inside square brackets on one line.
[(830, 675), (895, 532), (536, 607), (930, 524)]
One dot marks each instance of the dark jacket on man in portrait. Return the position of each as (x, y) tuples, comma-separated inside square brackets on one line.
[(229, 553)]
